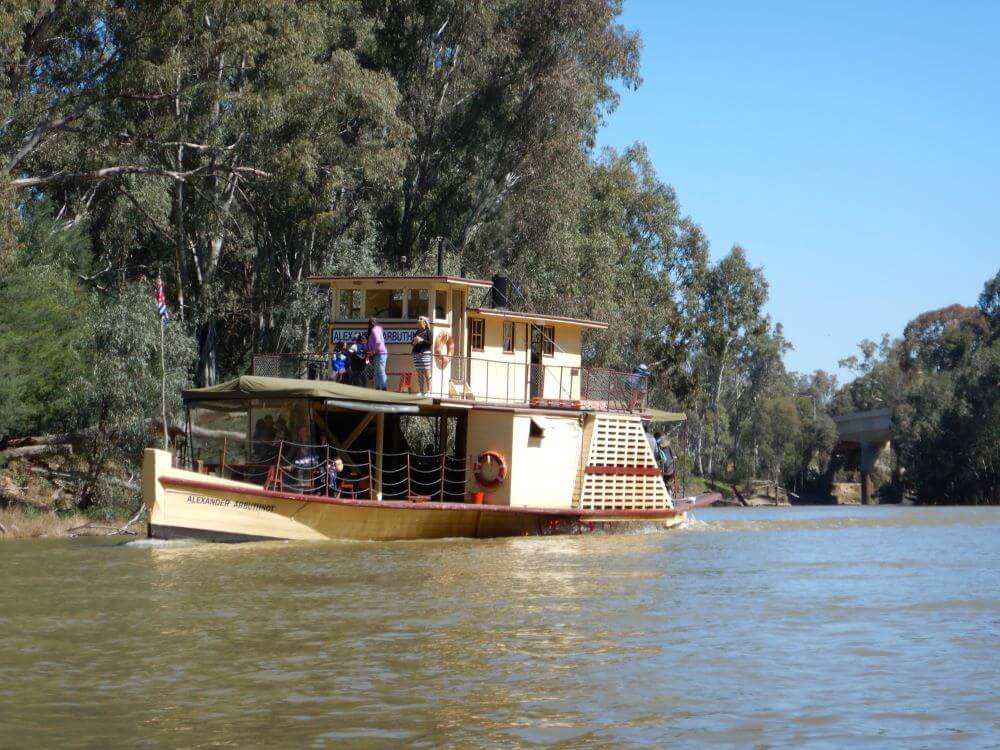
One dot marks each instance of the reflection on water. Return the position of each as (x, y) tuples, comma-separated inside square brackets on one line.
[(822, 627)]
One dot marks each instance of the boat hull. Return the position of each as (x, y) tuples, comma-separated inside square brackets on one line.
[(185, 504)]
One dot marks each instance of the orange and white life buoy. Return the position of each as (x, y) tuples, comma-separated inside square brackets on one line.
[(490, 469), (444, 348)]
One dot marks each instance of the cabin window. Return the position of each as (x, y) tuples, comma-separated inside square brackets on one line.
[(418, 302), (349, 304), (384, 303), (477, 334), (441, 305), (220, 432), (508, 337), (548, 341)]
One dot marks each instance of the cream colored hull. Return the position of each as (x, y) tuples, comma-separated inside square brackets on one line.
[(189, 505)]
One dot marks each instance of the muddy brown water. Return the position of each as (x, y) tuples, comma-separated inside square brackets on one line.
[(749, 628)]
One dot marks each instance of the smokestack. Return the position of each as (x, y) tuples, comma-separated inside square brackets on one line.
[(500, 293), (440, 256)]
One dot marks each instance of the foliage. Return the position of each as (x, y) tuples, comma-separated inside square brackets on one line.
[(237, 149), (942, 381), (879, 384), (118, 402), (43, 310)]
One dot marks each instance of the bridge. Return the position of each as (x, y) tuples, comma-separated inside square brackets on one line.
[(864, 434)]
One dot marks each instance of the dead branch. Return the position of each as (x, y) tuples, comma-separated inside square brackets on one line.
[(99, 527), (125, 529), (39, 450), (104, 173)]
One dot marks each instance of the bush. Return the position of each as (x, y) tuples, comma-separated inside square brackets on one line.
[(119, 399)]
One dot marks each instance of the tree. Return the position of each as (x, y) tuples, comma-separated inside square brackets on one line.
[(43, 313), (731, 303), (989, 303), (941, 339), (118, 399), (496, 95)]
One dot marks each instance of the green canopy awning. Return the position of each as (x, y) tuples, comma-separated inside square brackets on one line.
[(656, 415), (258, 386)]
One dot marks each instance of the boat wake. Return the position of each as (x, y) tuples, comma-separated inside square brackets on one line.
[(806, 519)]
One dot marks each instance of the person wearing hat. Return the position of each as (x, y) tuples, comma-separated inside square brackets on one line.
[(665, 458), (635, 384)]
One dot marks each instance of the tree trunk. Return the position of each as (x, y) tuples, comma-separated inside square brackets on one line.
[(208, 371)]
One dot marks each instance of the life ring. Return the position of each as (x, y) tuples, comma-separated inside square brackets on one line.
[(490, 457), (444, 348)]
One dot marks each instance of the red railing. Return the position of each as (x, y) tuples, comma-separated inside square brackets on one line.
[(482, 380)]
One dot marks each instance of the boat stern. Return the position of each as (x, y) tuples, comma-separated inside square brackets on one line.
[(155, 463)]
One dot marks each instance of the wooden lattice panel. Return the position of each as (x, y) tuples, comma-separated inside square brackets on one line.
[(618, 444)]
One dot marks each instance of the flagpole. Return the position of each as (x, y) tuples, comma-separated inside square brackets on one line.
[(161, 309), (163, 388)]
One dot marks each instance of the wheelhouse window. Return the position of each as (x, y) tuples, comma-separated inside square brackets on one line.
[(440, 305), (548, 341), (508, 337), (477, 334), (418, 302), (349, 306), (384, 303)]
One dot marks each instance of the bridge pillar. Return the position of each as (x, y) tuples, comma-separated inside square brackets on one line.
[(869, 453)]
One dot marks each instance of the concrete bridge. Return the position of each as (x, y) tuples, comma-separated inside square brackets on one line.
[(862, 435)]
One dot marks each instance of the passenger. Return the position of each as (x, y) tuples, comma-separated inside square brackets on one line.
[(280, 430), (269, 447), (306, 459), (422, 355), (334, 472), (378, 353), (654, 440), (666, 460), (635, 385), (357, 358), (338, 362), (259, 446)]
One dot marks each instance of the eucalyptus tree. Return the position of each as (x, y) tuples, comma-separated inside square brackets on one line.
[(496, 94), (730, 312)]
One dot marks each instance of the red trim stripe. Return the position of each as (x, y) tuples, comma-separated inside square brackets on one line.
[(409, 505)]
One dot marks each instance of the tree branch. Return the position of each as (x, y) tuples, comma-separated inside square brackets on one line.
[(105, 173)]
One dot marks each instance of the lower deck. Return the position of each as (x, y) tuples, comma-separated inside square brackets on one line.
[(184, 504), (324, 441)]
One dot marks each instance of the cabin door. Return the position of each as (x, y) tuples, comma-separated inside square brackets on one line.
[(536, 371)]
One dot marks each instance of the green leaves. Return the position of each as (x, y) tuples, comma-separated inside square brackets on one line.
[(43, 311), (117, 399)]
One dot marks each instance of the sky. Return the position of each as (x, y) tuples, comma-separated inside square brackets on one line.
[(852, 148)]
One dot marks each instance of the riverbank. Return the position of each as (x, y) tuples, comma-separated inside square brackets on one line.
[(40, 497), (25, 523)]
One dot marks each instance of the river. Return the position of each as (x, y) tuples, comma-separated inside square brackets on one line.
[(749, 628)]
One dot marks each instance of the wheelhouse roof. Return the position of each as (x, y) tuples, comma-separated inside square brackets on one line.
[(258, 386), (452, 280), (492, 312)]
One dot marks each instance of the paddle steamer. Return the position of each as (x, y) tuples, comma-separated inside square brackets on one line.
[(515, 437)]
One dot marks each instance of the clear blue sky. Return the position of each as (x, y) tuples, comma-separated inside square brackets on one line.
[(853, 149)]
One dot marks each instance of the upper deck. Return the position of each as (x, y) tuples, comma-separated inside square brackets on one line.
[(485, 352)]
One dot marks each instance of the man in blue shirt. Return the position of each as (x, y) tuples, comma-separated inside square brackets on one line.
[(635, 385)]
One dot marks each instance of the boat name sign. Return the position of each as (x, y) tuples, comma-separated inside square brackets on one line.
[(223, 503), (391, 335)]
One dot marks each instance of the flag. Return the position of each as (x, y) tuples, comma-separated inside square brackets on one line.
[(161, 301)]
